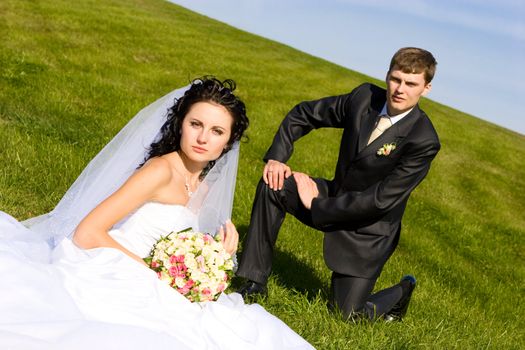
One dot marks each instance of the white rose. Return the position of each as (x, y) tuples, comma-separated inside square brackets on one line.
[(179, 281), (164, 276)]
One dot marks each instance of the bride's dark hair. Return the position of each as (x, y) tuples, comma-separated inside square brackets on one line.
[(205, 89)]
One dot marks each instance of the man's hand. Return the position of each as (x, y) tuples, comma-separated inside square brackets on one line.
[(274, 174), (229, 237), (307, 189)]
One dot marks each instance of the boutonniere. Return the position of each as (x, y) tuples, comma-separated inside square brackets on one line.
[(386, 149)]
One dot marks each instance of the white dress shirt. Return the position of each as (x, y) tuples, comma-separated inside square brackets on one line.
[(394, 118)]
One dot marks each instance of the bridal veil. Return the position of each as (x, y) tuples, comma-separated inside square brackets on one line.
[(112, 166)]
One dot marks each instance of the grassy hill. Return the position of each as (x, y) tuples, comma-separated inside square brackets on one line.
[(72, 73)]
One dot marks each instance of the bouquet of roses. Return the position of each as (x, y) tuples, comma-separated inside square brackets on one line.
[(194, 263)]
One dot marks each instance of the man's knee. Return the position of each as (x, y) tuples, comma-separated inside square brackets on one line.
[(289, 187)]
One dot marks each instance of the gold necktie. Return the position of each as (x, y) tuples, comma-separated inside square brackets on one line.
[(383, 124)]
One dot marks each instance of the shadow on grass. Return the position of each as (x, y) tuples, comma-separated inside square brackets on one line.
[(292, 273), (289, 272)]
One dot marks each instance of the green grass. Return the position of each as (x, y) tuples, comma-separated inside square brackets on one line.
[(72, 73)]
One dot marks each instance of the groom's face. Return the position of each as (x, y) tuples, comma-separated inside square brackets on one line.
[(403, 90)]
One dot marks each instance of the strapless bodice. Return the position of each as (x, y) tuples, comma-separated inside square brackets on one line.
[(142, 229)]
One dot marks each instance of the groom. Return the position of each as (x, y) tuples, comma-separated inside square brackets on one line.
[(386, 149)]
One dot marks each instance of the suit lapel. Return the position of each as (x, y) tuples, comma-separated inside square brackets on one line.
[(368, 123), (395, 134)]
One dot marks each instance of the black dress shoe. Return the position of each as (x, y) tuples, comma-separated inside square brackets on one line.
[(408, 283), (252, 289)]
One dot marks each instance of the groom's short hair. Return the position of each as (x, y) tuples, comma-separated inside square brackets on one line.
[(414, 60)]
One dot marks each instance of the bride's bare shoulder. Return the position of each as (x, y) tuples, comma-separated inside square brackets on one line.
[(158, 169)]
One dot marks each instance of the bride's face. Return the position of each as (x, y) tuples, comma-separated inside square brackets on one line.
[(206, 130)]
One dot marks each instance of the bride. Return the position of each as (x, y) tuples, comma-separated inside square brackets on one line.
[(75, 279)]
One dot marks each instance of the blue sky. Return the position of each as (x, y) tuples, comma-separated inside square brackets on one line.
[(479, 45)]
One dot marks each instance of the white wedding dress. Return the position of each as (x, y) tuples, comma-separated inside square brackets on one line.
[(69, 298)]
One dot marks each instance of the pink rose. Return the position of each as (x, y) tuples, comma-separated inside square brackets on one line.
[(173, 271), (174, 259), (190, 283), (184, 290), (178, 270)]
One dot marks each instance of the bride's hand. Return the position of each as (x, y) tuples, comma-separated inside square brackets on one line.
[(229, 237), (274, 174)]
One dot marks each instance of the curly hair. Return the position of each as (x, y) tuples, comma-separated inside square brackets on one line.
[(204, 89)]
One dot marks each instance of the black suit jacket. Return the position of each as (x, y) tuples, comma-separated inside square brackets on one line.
[(361, 208)]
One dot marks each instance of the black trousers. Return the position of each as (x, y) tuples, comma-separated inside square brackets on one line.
[(350, 294)]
